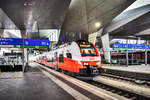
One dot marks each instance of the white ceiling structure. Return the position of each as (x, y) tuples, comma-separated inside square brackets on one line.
[(30, 16), (137, 4), (83, 15)]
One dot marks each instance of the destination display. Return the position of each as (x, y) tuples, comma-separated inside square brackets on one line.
[(28, 43), (131, 46), (84, 45)]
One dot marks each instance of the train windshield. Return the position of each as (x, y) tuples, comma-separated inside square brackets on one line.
[(87, 50)]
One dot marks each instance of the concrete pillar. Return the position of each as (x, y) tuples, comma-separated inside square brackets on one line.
[(25, 52), (26, 55), (92, 37), (25, 59), (106, 46), (132, 58)]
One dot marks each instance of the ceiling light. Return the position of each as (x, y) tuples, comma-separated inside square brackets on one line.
[(98, 24)]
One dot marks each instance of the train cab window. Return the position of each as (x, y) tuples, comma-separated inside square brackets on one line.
[(88, 51), (69, 55), (61, 58)]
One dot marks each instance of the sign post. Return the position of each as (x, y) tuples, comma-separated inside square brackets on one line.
[(127, 59), (23, 67), (132, 58), (145, 57), (127, 62)]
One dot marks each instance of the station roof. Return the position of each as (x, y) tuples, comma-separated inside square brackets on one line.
[(69, 15), (131, 22), (83, 15)]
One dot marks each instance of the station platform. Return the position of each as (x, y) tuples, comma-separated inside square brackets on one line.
[(135, 71), (43, 83), (32, 85)]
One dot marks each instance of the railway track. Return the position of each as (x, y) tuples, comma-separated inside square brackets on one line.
[(129, 79), (106, 95), (118, 90), (134, 75), (132, 88), (121, 92)]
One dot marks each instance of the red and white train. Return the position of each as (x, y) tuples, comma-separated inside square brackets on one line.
[(79, 58)]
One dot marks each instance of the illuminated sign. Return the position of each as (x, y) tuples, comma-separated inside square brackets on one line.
[(27, 42), (131, 46), (85, 45), (11, 41), (34, 42)]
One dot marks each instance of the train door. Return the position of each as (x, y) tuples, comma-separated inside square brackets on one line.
[(68, 55)]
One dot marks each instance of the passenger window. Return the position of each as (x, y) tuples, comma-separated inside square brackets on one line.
[(48, 60), (69, 55), (43, 58), (61, 58), (52, 60)]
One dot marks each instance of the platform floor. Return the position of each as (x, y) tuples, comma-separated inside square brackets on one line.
[(32, 85), (133, 68)]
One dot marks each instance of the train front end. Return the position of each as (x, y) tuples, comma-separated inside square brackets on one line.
[(90, 59)]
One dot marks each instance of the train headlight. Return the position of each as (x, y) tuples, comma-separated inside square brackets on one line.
[(98, 63), (85, 63)]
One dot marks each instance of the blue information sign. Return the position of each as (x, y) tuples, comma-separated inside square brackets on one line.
[(131, 46), (27, 42), (36, 42), (11, 41)]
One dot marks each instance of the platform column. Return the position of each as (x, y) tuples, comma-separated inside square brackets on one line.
[(25, 58), (127, 63), (145, 57), (106, 46), (127, 59), (132, 58)]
